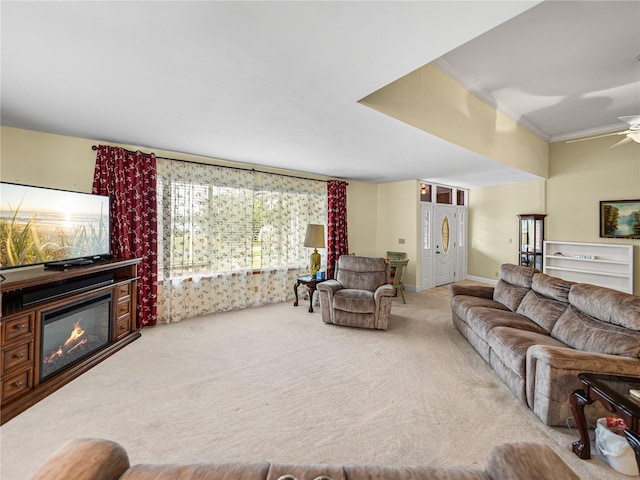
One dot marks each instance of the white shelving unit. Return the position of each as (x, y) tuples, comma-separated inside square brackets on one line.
[(603, 264)]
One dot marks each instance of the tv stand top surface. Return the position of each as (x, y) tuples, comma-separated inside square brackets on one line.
[(33, 276)]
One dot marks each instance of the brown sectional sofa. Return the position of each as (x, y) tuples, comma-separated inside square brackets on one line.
[(539, 332), (93, 459)]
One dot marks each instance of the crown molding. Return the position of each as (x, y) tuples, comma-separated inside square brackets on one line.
[(488, 97)]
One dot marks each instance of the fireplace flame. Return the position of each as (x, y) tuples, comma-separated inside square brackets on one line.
[(62, 350), (76, 333)]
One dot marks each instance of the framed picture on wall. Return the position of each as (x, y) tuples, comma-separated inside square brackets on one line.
[(620, 218)]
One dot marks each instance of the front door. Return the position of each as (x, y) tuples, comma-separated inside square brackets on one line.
[(445, 240)]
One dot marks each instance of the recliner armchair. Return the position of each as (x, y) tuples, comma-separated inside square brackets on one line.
[(360, 295)]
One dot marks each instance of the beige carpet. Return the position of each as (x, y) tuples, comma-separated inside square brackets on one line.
[(275, 383)]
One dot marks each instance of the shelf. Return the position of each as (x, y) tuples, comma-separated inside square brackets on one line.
[(595, 260), (613, 267), (590, 272)]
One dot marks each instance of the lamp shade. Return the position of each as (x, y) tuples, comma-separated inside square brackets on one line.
[(315, 236)]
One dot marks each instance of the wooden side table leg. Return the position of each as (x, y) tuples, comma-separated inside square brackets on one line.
[(295, 291), (582, 447), (311, 290)]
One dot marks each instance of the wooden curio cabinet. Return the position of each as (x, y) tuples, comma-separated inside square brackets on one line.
[(531, 240)]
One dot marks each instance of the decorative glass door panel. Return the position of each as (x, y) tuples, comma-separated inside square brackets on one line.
[(445, 246), (531, 240)]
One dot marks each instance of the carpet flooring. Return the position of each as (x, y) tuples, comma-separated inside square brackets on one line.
[(275, 383)]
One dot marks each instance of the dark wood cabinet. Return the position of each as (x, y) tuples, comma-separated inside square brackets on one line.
[(531, 240), (28, 296)]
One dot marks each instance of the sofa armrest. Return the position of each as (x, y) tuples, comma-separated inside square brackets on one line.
[(483, 291), (567, 358), (552, 376), (85, 459), (527, 461)]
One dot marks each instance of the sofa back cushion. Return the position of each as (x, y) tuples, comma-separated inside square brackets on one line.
[(583, 332), (608, 305), (546, 301), (514, 284), (542, 310), (552, 287), (361, 273)]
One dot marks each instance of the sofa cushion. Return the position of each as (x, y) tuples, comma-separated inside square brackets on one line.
[(509, 295), (517, 460), (542, 310), (305, 471), (607, 305), (356, 301), (460, 304), (517, 275), (482, 319), (583, 332), (510, 346), (379, 472), (361, 273), (198, 471), (552, 287)]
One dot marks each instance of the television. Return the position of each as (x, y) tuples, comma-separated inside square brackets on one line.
[(57, 228)]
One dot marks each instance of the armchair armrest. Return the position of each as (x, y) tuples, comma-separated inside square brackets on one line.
[(385, 290), (329, 286), (483, 291)]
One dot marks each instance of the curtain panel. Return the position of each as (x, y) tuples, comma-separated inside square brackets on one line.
[(230, 238), (337, 234), (129, 179)]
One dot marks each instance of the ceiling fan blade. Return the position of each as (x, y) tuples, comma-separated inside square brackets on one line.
[(631, 119), (627, 139), (598, 136)]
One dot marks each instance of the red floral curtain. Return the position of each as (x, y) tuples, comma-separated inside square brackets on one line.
[(336, 223), (129, 178)]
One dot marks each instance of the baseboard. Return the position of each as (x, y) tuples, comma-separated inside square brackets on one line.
[(482, 279)]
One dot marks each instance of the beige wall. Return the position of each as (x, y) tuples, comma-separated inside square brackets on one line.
[(398, 217), (580, 175), (432, 101), (493, 224)]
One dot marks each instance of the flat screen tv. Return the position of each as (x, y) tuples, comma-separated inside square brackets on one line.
[(52, 227)]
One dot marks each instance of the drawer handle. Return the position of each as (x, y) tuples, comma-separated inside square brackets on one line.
[(20, 355), (21, 326), (18, 384)]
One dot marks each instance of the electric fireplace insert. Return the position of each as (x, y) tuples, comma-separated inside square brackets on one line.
[(74, 332)]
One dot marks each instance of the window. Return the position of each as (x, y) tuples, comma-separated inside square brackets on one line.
[(425, 192), (444, 195), (216, 219)]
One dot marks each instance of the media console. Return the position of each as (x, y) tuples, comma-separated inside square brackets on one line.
[(57, 324)]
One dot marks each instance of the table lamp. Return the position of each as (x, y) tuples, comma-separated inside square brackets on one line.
[(314, 239)]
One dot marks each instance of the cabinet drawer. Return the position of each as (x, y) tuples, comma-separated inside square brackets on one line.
[(123, 290), (122, 326), (123, 308), (17, 356), (16, 384), (21, 326)]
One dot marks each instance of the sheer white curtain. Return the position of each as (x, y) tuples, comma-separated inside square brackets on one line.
[(286, 205), (205, 239), (229, 238)]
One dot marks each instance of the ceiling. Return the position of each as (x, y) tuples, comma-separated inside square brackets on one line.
[(277, 83)]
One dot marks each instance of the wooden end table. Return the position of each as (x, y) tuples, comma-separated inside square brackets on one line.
[(310, 282), (612, 391)]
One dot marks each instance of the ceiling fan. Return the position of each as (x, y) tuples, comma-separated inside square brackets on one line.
[(632, 133)]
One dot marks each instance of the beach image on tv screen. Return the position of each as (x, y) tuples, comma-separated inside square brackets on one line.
[(39, 225)]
